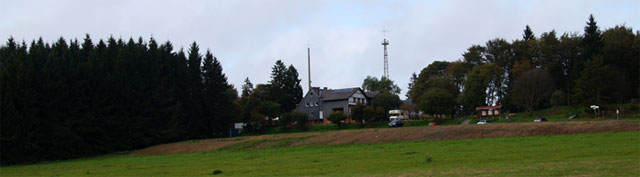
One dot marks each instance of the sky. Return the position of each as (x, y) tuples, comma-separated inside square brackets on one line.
[(344, 36)]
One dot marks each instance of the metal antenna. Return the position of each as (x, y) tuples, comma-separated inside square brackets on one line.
[(385, 43), (385, 31), (309, 62)]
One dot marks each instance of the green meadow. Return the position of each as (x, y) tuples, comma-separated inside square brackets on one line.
[(601, 154)]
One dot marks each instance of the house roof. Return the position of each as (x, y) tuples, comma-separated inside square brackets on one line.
[(340, 94), (488, 107), (337, 94)]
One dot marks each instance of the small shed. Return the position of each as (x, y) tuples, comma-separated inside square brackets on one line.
[(486, 111), (235, 129)]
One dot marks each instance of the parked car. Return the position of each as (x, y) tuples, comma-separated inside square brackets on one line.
[(483, 122), (540, 119), (396, 123)]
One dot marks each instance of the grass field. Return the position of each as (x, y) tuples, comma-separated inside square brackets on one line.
[(600, 154), (332, 127), (562, 114)]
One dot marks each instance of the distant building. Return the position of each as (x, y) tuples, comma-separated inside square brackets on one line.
[(488, 111), (319, 103)]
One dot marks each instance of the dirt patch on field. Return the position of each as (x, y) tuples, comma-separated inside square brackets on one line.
[(367, 136), (213, 144)]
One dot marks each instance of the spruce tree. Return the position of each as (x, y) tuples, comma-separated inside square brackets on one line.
[(247, 88), (292, 89), (591, 44), (528, 34), (276, 89), (218, 95), (592, 41)]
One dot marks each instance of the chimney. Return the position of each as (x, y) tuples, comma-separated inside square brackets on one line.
[(325, 88)]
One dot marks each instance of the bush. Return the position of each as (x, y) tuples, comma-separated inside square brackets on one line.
[(336, 117), (630, 108), (217, 172), (300, 120), (574, 111)]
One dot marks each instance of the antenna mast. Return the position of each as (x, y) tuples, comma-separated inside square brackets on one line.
[(309, 65), (385, 43)]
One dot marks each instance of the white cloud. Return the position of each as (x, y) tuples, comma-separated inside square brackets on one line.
[(249, 36)]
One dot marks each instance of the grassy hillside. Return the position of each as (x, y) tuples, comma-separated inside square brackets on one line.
[(600, 154), (554, 114), (562, 114)]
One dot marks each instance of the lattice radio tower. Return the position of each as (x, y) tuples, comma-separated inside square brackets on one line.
[(385, 43)]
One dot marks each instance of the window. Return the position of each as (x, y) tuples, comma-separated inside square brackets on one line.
[(311, 113), (307, 105), (316, 103)]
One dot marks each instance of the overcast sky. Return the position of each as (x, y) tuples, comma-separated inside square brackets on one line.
[(249, 36)]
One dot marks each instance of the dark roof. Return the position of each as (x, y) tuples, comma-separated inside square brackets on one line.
[(337, 94), (340, 94), (488, 107)]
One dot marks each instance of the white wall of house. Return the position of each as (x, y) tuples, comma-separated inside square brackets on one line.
[(357, 97)]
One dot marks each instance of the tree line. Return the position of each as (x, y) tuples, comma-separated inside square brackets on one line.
[(260, 105), (535, 72), (75, 99)]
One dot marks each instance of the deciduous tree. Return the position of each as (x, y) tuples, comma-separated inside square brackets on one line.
[(437, 101), (359, 114), (479, 86), (387, 101), (531, 88), (371, 84)]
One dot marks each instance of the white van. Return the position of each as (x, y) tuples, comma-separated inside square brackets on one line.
[(397, 114)]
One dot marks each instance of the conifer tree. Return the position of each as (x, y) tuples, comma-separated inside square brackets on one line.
[(528, 34), (292, 89), (284, 86), (247, 88), (592, 40), (590, 88), (591, 44)]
